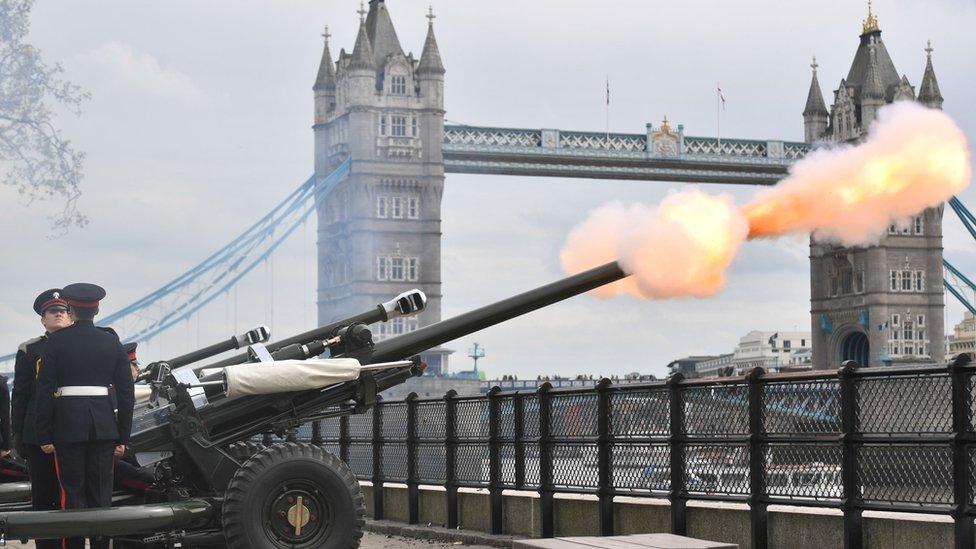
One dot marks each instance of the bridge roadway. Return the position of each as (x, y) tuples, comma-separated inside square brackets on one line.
[(657, 155)]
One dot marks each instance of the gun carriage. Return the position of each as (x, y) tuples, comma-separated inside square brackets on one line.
[(218, 490)]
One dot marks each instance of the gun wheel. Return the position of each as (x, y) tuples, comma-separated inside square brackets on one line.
[(293, 496), (242, 451)]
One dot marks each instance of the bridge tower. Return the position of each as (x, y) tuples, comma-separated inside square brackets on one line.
[(883, 304), (379, 231)]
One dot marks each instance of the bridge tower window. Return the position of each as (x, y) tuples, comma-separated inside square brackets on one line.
[(396, 268), (382, 124), (399, 126), (413, 207), (396, 211), (413, 268), (398, 85), (382, 210)]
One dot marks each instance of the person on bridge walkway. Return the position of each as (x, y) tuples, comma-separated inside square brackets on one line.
[(75, 417), (53, 311)]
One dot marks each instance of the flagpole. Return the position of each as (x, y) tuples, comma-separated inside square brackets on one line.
[(607, 113), (718, 113)]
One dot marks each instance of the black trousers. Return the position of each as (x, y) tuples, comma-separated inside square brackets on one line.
[(45, 490), (85, 472)]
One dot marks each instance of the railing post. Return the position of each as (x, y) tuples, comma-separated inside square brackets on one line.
[(316, 432), (494, 461), (450, 458), (378, 459), (344, 438), (676, 440), (413, 492), (518, 408), (853, 536), (962, 431), (545, 461), (605, 474), (757, 460)]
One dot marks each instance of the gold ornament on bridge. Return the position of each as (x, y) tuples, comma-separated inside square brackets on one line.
[(871, 23)]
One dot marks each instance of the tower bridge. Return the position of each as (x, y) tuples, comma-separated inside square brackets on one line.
[(379, 232)]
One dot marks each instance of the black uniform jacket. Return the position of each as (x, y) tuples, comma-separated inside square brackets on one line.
[(23, 409), (4, 414), (83, 355)]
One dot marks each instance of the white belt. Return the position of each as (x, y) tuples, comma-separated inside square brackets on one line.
[(82, 391)]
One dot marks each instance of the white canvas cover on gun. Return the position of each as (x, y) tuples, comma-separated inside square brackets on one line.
[(287, 376)]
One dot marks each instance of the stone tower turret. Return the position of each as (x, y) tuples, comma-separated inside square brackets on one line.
[(379, 229), (873, 92), (928, 93), (815, 113), (881, 304)]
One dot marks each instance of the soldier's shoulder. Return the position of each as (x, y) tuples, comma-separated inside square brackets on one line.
[(108, 330), (34, 340)]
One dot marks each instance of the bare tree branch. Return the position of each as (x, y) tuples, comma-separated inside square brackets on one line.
[(35, 158)]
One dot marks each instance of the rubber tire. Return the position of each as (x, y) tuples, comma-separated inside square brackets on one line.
[(243, 451), (243, 507)]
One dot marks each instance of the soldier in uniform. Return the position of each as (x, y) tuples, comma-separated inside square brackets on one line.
[(75, 417), (128, 475), (44, 480)]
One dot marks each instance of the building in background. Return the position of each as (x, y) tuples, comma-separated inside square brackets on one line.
[(687, 366), (772, 351), (379, 231), (720, 365), (963, 338), (882, 304)]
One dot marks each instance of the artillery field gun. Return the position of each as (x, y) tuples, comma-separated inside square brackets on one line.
[(215, 489)]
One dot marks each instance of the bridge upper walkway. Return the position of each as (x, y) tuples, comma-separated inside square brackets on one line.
[(657, 155)]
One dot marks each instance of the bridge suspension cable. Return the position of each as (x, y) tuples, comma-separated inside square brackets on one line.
[(216, 275), (954, 287)]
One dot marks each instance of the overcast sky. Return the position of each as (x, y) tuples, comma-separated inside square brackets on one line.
[(200, 120)]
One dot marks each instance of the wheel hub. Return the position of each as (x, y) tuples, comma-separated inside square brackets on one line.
[(298, 514)]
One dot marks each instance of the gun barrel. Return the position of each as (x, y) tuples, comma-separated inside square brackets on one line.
[(441, 332), (407, 303), (114, 521), (257, 335)]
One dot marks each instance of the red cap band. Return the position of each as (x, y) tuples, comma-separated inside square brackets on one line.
[(82, 304), (52, 303)]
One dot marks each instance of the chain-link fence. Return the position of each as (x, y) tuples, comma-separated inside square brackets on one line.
[(898, 439)]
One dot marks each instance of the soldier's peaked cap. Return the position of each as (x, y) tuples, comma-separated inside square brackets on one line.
[(83, 295), (130, 349), (49, 298)]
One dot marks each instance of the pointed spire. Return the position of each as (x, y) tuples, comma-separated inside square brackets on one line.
[(382, 34), (815, 100), (430, 59), (873, 88), (362, 52), (928, 91), (326, 79)]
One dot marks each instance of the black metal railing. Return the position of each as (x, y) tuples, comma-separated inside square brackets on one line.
[(894, 439)]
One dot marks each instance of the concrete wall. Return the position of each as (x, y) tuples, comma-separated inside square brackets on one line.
[(578, 515)]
